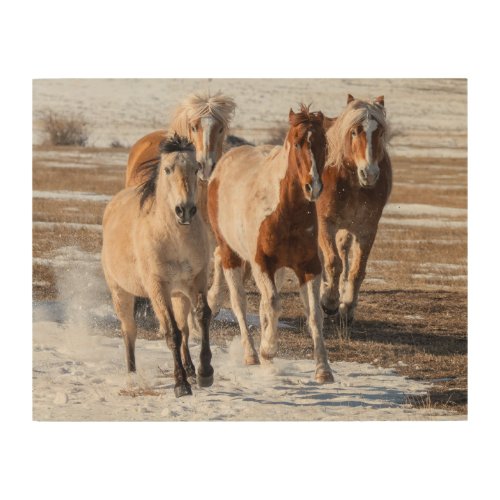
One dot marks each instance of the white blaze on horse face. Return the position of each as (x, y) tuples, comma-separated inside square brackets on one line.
[(368, 169), (206, 157), (317, 185)]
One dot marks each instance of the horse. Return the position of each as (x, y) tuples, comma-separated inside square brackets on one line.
[(357, 182), (204, 119), (261, 204), (155, 246)]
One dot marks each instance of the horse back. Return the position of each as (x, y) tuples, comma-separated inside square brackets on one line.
[(143, 152)]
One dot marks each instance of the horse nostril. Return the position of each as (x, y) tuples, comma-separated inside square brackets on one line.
[(200, 166), (363, 174), (309, 188), (192, 212), (179, 211)]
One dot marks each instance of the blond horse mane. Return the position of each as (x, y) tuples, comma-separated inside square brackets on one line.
[(197, 106), (353, 115)]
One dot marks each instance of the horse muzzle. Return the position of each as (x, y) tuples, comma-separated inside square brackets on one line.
[(368, 176), (185, 213), (313, 190)]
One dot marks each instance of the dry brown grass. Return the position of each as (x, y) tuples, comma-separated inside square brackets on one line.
[(65, 130), (411, 316)]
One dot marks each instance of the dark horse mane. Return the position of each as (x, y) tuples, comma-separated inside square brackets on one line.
[(150, 169)]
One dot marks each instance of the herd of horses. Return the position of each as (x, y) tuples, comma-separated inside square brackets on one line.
[(311, 205)]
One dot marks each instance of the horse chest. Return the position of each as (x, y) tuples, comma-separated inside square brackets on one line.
[(287, 241)]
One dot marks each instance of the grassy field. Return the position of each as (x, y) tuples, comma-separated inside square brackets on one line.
[(412, 312)]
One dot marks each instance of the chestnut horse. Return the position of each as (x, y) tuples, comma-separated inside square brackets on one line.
[(357, 183), (261, 204), (155, 246)]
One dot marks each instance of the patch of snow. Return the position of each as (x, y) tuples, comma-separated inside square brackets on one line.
[(415, 209), (71, 195), (68, 225), (424, 223)]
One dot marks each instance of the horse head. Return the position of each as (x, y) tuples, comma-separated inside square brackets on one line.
[(204, 120), (365, 138), (307, 145), (177, 177)]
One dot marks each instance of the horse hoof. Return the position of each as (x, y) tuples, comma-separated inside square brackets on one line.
[(324, 377), (205, 381), (182, 390), (252, 360)]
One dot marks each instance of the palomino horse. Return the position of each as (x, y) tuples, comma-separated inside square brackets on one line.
[(261, 207), (357, 183), (203, 119), (155, 245)]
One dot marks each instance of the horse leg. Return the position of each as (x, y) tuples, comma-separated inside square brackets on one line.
[(310, 295), (162, 306), (123, 303), (332, 267), (269, 312), (216, 292), (362, 246), (181, 307), (204, 316), (234, 279), (344, 242)]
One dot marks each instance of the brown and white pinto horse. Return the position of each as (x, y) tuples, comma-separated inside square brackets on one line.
[(357, 183), (261, 204)]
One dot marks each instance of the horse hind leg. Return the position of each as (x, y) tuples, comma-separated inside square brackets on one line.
[(123, 303), (204, 315)]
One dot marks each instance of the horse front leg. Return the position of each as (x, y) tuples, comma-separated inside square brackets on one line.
[(362, 245), (310, 295), (182, 311), (162, 305), (269, 312), (332, 268)]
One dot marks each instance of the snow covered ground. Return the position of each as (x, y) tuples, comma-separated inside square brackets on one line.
[(79, 370)]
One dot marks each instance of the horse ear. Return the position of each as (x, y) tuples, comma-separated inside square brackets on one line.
[(379, 101), (328, 122), (291, 114), (350, 98)]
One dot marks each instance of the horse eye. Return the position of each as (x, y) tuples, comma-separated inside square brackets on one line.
[(167, 171), (221, 130), (297, 145), (353, 133), (194, 128)]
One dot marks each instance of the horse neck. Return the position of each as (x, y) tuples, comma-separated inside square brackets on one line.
[(292, 199), (202, 200)]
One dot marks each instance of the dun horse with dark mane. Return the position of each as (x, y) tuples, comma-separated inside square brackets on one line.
[(155, 245)]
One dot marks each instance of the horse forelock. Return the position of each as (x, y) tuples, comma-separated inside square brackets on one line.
[(305, 116), (197, 106), (355, 113)]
